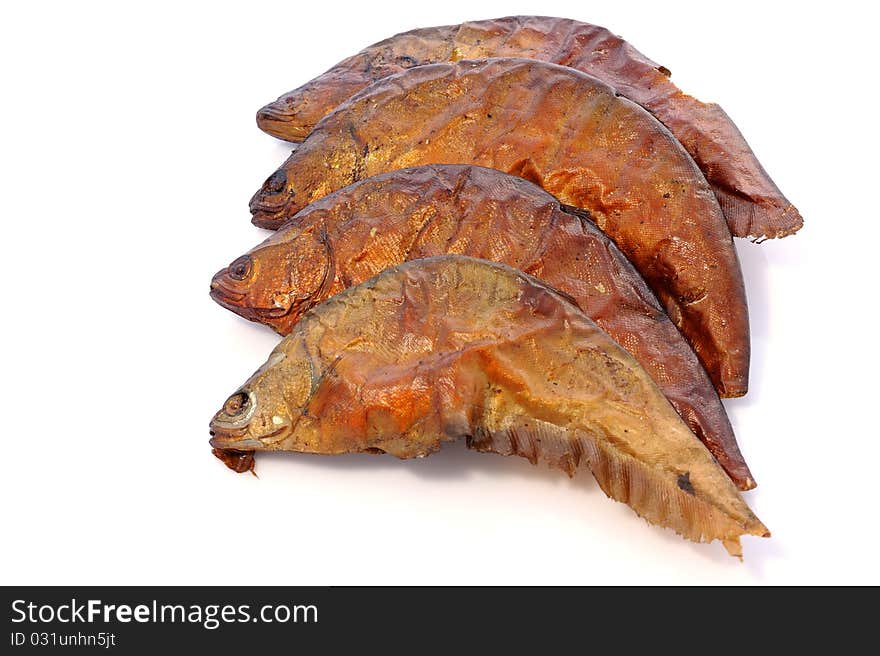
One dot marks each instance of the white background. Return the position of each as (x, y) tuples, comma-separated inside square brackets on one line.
[(129, 152)]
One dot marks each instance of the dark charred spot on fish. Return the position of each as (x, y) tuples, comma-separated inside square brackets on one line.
[(665, 71), (241, 268), (235, 404), (684, 483), (276, 182), (406, 61), (667, 195)]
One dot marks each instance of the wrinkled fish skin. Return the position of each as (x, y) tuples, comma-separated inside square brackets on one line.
[(353, 234), (453, 347), (572, 135), (753, 205)]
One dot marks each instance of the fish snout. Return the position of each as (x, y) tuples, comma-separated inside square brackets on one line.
[(233, 418), (227, 441), (281, 119), (228, 285), (277, 110), (268, 204), (224, 439), (229, 427)]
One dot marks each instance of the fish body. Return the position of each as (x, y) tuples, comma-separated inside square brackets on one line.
[(452, 347), (570, 134), (752, 203), (355, 233)]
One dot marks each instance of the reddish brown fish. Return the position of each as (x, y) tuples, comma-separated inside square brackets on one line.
[(752, 203), (353, 234), (451, 347), (577, 139)]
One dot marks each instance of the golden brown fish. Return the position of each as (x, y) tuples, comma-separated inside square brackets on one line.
[(577, 139), (452, 347), (360, 230), (752, 203)]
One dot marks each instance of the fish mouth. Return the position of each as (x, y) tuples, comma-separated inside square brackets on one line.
[(276, 119), (269, 219), (218, 289), (227, 439), (268, 201), (269, 205), (232, 439), (222, 294), (232, 301), (233, 305), (227, 443), (277, 110), (272, 196)]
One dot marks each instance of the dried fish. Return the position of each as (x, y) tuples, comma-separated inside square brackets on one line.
[(752, 203), (452, 347), (572, 135), (353, 234)]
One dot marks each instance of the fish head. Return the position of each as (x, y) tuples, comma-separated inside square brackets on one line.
[(275, 200), (276, 282), (266, 413), (326, 161)]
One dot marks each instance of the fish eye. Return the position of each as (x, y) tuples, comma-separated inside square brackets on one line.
[(276, 182), (236, 404), (241, 268)]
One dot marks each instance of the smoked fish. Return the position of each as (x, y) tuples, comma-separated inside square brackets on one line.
[(572, 135), (355, 233), (752, 203), (452, 347)]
